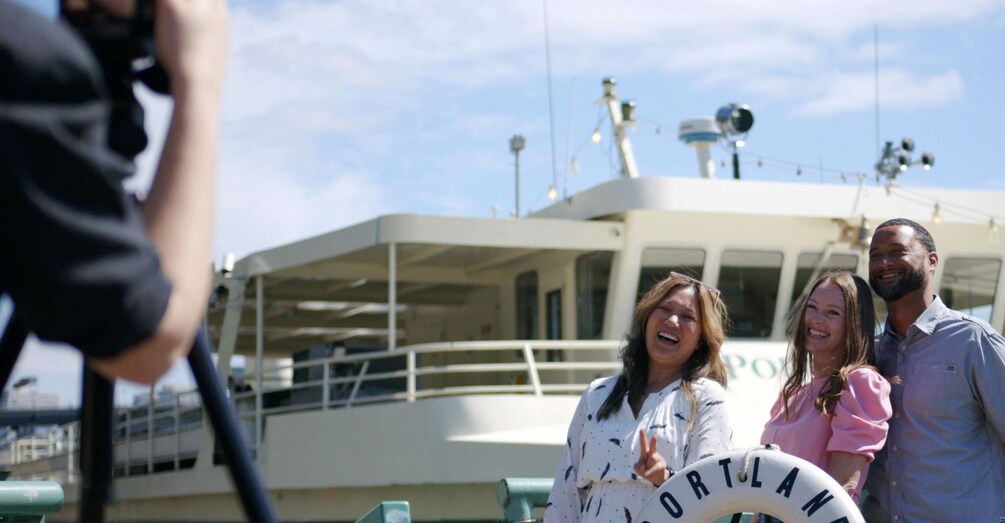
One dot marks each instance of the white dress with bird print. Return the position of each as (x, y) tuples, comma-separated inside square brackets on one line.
[(596, 480)]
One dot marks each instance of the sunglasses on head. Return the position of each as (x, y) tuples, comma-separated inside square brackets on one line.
[(712, 291)]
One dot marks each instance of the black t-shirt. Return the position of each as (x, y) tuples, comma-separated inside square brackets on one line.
[(74, 255)]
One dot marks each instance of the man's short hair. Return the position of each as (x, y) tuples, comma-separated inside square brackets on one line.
[(920, 232)]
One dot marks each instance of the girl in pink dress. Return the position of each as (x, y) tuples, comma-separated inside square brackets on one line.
[(833, 409)]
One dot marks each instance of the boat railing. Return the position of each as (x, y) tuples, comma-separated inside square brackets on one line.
[(428, 370), (165, 433)]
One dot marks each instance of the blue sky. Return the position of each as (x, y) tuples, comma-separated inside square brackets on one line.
[(336, 111)]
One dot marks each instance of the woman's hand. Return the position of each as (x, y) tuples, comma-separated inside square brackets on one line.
[(651, 464)]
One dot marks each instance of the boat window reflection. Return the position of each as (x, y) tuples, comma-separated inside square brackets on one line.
[(657, 262), (809, 262), (968, 285), (748, 281), (593, 274)]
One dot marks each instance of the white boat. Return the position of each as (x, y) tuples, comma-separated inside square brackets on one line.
[(424, 358)]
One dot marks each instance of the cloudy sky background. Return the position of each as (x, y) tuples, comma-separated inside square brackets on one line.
[(336, 111)]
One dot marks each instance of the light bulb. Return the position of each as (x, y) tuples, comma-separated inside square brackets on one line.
[(596, 136), (552, 193), (937, 214), (993, 233)]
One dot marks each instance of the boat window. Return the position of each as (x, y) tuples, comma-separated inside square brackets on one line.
[(968, 285), (553, 320), (593, 271), (526, 306), (553, 323), (748, 281), (808, 262), (658, 261)]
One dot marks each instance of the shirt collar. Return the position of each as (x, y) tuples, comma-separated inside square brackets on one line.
[(927, 321)]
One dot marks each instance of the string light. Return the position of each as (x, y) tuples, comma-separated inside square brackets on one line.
[(596, 136), (552, 193), (799, 171), (993, 233), (937, 214)]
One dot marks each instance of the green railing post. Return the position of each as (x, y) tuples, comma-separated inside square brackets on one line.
[(388, 512), (30, 501), (518, 497)]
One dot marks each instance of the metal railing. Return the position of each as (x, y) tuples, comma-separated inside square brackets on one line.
[(165, 435)]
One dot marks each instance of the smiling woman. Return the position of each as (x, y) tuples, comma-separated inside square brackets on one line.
[(665, 411), (834, 407)]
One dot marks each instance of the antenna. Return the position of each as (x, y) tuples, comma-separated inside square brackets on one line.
[(551, 104), (622, 117), (568, 139), (875, 47)]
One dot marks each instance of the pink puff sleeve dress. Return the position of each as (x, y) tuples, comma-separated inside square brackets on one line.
[(858, 425)]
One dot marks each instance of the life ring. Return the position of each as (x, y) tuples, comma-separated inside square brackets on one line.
[(762, 479)]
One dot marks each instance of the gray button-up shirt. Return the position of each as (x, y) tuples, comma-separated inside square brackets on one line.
[(944, 458)]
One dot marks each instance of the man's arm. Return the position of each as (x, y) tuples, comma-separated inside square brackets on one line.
[(988, 377), (192, 45)]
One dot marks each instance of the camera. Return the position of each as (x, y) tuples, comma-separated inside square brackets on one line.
[(124, 48)]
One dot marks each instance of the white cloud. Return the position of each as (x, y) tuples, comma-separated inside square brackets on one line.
[(318, 92), (898, 90), (263, 205)]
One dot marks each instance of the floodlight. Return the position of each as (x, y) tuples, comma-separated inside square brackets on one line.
[(904, 160), (734, 118), (516, 143), (907, 144), (628, 111), (927, 160), (610, 85)]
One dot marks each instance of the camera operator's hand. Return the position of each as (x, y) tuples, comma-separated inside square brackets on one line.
[(191, 38)]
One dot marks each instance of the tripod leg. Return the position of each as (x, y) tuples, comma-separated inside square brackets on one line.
[(254, 497), (10, 347), (96, 451)]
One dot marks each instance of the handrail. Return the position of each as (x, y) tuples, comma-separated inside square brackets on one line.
[(428, 370), (518, 497), (29, 501)]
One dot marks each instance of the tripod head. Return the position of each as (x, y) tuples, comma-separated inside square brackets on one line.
[(123, 44)]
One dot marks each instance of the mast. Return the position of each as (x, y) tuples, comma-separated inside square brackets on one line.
[(622, 118)]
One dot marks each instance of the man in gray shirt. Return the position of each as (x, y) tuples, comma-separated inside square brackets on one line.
[(944, 458)]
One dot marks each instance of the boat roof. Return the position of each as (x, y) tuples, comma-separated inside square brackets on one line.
[(334, 286), (754, 197)]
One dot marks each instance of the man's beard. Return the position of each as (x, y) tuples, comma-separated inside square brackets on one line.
[(912, 281)]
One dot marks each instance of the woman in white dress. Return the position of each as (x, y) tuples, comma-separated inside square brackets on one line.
[(664, 411)]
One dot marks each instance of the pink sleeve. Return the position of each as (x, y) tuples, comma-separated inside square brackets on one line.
[(777, 407), (860, 416)]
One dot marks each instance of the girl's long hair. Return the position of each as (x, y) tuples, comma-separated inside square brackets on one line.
[(860, 328), (705, 362)]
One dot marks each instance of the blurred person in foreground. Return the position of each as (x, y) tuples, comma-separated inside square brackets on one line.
[(126, 283)]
